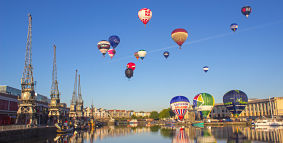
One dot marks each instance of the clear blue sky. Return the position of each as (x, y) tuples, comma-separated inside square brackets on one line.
[(250, 59)]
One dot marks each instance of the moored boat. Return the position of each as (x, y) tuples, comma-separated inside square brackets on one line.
[(201, 124), (268, 123), (63, 129)]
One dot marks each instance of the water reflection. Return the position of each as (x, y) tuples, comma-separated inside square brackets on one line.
[(230, 134)]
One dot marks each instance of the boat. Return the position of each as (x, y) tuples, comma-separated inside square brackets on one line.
[(133, 121), (64, 129), (200, 124), (268, 122)]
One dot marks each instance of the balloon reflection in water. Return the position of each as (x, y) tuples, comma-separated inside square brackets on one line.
[(206, 136), (181, 137)]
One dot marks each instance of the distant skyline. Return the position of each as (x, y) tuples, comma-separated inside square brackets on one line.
[(249, 59)]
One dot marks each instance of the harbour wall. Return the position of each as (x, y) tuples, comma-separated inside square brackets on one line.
[(31, 135)]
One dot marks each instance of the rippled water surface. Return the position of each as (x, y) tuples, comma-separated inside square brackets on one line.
[(157, 134)]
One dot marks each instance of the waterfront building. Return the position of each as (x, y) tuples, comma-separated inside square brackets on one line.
[(8, 108), (119, 113), (100, 113), (219, 111), (142, 114), (9, 104), (255, 108), (10, 90)]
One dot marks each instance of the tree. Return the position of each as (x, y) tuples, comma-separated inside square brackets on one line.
[(154, 115), (134, 117), (165, 113)]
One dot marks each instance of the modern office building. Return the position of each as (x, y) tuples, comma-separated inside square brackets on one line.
[(255, 108), (9, 104)]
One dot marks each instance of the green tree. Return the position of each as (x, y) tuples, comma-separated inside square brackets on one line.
[(134, 117), (165, 113), (154, 115)]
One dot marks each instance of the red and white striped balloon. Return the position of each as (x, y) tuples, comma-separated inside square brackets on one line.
[(145, 15)]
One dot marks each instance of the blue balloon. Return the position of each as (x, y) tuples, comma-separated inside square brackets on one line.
[(235, 101), (114, 41), (234, 26), (166, 54), (179, 99)]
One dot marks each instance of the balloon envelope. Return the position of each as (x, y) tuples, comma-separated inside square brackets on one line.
[(129, 73), (179, 36), (235, 101), (142, 54), (111, 53), (246, 10), (204, 103), (145, 15), (166, 54), (114, 41), (131, 66), (137, 55), (205, 68), (179, 105), (103, 46), (234, 27)]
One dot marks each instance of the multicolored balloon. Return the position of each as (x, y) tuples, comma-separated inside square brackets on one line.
[(103, 46), (235, 101), (145, 15), (234, 26), (114, 41), (204, 103), (205, 68), (142, 54), (137, 55), (179, 105), (131, 66), (246, 10), (129, 73), (111, 53), (166, 54), (179, 36)]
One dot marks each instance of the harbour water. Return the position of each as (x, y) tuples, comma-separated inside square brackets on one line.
[(158, 134)]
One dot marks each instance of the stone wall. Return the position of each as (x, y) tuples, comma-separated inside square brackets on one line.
[(42, 134)]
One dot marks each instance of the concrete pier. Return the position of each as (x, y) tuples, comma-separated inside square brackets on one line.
[(35, 134)]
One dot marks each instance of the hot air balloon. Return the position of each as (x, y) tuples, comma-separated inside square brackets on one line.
[(137, 55), (204, 103), (235, 101), (131, 66), (142, 54), (246, 10), (114, 41), (129, 73), (179, 105), (179, 36), (111, 53), (234, 26), (145, 15), (103, 46), (166, 54), (205, 68)]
